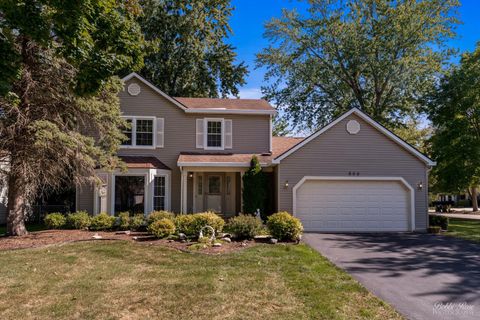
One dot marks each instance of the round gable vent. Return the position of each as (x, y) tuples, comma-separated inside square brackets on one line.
[(353, 127), (134, 89)]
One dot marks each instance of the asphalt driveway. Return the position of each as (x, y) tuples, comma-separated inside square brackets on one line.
[(423, 276)]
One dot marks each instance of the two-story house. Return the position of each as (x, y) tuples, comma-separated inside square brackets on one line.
[(189, 154)]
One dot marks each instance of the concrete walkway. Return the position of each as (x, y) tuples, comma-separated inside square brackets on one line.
[(423, 276), (465, 216)]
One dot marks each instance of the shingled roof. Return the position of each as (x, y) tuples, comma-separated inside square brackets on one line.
[(227, 104)]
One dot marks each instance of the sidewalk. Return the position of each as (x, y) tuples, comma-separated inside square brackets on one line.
[(466, 216)]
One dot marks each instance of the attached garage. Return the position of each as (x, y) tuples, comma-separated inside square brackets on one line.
[(354, 175), (337, 204)]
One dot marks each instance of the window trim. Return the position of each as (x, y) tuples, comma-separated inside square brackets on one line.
[(205, 133), (134, 132)]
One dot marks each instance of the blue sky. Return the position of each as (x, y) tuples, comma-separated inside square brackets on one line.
[(249, 17)]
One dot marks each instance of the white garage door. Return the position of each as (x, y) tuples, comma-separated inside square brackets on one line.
[(353, 206)]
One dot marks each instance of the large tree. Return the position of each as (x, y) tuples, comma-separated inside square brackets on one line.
[(188, 55), (378, 55), (59, 111), (455, 114)]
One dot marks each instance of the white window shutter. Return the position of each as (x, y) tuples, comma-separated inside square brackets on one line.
[(160, 132), (228, 134), (200, 133)]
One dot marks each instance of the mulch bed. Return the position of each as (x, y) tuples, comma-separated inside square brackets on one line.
[(47, 238)]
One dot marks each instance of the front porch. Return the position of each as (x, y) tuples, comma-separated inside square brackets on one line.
[(214, 182)]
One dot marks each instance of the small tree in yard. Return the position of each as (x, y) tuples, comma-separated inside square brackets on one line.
[(58, 92), (254, 194)]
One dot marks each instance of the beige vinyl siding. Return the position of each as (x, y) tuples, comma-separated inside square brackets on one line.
[(251, 133), (370, 152), (84, 198)]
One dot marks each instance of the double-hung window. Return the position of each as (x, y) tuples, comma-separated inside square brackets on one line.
[(159, 193), (139, 132), (214, 134)]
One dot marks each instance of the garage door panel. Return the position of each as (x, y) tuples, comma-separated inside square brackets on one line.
[(363, 206)]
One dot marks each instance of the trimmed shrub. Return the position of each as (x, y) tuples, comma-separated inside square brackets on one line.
[(158, 215), (191, 224), (55, 220), (244, 226), (284, 226), (123, 220), (162, 228), (137, 222), (78, 220), (102, 221), (184, 224), (439, 221)]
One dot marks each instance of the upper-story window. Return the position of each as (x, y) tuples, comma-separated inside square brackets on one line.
[(144, 132), (140, 132), (214, 134)]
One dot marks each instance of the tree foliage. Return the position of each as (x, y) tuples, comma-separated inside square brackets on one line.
[(254, 194), (190, 57), (281, 127), (455, 115), (378, 55), (59, 110)]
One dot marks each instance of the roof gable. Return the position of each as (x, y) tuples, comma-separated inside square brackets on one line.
[(368, 120)]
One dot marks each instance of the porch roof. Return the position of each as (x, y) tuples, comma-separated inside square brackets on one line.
[(221, 160), (136, 162)]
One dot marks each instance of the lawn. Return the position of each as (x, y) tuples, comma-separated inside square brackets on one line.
[(466, 229), (112, 280)]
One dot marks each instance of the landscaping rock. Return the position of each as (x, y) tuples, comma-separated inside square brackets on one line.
[(182, 236), (217, 244), (273, 241), (227, 240), (97, 236), (224, 235), (127, 232), (244, 244), (262, 239)]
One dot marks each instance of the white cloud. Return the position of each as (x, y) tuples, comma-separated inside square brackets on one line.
[(250, 93)]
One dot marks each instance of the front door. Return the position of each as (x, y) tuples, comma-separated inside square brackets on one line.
[(214, 193)]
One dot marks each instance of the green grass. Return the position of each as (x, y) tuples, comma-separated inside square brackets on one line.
[(30, 227), (112, 280), (466, 229)]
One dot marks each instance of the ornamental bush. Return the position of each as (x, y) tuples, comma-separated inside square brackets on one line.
[(55, 220), (191, 224), (244, 226), (123, 220), (137, 222), (162, 228), (102, 221), (439, 221), (79, 220), (284, 226), (158, 215)]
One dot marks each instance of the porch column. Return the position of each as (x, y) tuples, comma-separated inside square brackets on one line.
[(183, 192), (241, 190)]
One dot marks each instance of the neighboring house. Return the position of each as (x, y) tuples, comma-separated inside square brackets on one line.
[(189, 155)]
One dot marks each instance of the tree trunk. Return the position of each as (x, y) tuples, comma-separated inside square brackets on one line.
[(16, 208), (474, 199)]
